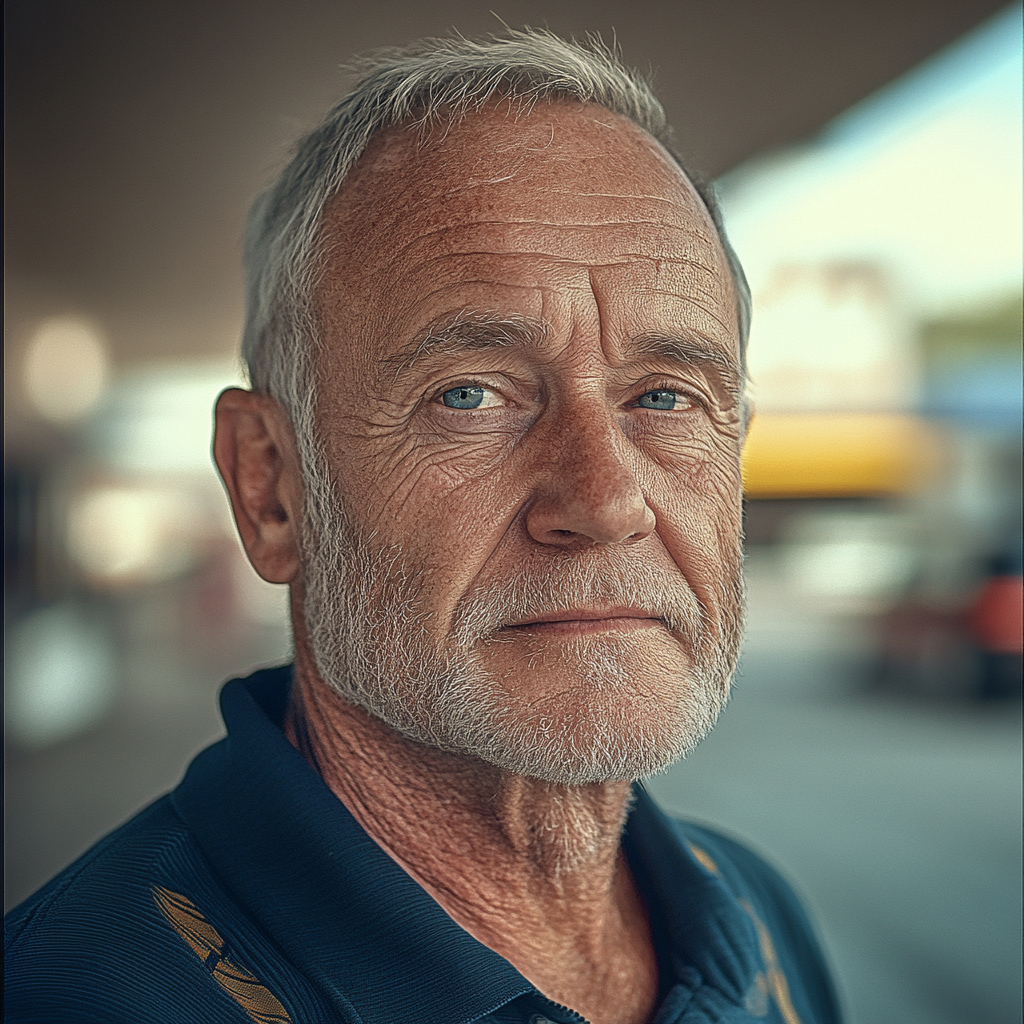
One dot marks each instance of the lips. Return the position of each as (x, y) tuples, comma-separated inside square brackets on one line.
[(588, 619)]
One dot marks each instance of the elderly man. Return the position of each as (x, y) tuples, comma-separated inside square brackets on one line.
[(495, 340)]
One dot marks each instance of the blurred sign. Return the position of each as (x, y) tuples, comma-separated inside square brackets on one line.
[(830, 336)]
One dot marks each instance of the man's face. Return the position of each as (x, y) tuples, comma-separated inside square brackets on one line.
[(529, 419)]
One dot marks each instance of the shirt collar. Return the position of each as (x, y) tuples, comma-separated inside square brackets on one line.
[(291, 853), (712, 942), (333, 901)]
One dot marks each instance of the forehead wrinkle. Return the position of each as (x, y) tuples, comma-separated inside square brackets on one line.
[(726, 328), (629, 196), (680, 261), (618, 260), (667, 293), (634, 225), (448, 234), (596, 224)]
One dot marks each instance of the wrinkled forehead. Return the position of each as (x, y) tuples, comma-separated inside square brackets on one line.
[(561, 163), (540, 213)]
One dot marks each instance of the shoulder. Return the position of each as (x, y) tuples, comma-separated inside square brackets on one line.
[(91, 945), (745, 871), (785, 930), (100, 880), (117, 936)]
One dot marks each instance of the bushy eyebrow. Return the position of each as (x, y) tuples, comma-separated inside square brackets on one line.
[(468, 332), (690, 350)]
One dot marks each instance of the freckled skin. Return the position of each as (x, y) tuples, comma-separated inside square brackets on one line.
[(572, 216)]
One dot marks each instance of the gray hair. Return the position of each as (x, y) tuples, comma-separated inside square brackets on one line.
[(422, 82)]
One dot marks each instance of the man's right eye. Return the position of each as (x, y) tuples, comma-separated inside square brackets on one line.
[(464, 398)]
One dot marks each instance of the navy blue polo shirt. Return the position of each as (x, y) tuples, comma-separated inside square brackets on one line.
[(250, 894)]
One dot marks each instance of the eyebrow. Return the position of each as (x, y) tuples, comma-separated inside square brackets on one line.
[(690, 350), (469, 332)]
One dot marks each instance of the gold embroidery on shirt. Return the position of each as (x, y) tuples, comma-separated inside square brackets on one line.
[(703, 858), (776, 979), (756, 1003), (204, 940)]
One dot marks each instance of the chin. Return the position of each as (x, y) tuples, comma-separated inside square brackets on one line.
[(603, 741), (610, 717), (578, 710)]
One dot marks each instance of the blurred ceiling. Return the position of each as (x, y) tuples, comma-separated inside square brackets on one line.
[(138, 133)]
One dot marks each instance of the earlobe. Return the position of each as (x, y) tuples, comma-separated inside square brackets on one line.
[(254, 448)]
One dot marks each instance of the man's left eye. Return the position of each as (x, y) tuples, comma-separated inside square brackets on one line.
[(659, 400)]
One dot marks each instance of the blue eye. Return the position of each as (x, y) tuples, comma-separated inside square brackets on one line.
[(658, 400), (463, 398)]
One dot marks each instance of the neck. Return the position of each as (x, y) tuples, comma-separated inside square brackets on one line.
[(531, 869)]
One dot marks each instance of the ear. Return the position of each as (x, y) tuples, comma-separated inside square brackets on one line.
[(256, 454)]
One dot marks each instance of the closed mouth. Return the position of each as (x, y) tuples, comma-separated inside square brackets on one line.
[(586, 620)]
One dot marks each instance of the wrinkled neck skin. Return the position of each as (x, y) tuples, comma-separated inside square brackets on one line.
[(534, 871)]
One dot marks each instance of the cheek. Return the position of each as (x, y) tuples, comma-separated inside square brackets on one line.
[(697, 501), (446, 480), (445, 504), (698, 471), (393, 472)]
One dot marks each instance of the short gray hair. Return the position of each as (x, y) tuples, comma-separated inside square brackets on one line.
[(422, 82)]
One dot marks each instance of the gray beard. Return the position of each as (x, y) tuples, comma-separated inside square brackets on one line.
[(370, 635)]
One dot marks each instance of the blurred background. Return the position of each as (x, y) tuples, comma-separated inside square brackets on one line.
[(868, 157)]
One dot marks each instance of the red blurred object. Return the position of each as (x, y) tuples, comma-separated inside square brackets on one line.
[(996, 619)]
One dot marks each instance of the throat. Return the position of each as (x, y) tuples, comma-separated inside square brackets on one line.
[(563, 831)]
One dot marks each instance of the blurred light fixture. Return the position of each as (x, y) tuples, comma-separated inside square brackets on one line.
[(854, 553), (60, 675), (65, 368), (158, 419), (130, 534), (854, 568)]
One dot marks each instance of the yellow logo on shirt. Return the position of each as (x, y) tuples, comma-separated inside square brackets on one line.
[(204, 940)]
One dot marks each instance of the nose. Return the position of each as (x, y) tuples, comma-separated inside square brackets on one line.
[(588, 491)]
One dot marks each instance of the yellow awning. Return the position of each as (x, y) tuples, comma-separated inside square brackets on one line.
[(817, 455)]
